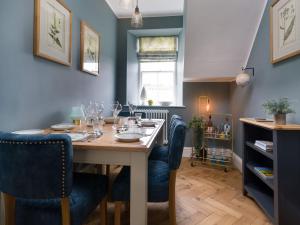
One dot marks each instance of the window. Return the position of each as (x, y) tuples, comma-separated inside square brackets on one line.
[(159, 80), (158, 63)]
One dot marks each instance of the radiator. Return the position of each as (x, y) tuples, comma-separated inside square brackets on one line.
[(158, 114)]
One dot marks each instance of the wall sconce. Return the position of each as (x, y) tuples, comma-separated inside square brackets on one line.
[(243, 79), (208, 106), (203, 104)]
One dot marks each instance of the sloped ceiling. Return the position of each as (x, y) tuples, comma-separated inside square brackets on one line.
[(219, 37)]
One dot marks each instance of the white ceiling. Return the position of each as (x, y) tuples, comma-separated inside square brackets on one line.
[(219, 37), (149, 8)]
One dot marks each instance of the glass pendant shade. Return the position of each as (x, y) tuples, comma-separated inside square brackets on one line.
[(137, 19), (126, 4)]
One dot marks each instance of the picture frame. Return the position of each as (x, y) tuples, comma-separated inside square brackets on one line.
[(284, 30), (53, 31), (89, 49)]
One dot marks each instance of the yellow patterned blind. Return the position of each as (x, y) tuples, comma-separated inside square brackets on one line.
[(158, 45)]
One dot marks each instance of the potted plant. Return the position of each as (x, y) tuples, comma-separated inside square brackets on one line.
[(278, 108), (197, 124)]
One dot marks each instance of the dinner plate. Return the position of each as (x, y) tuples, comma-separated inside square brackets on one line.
[(29, 132), (128, 137), (62, 126), (77, 136)]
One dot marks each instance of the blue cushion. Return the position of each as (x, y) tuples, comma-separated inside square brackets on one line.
[(36, 166), (158, 183), (88, 190), (176, 145), (160, 153)]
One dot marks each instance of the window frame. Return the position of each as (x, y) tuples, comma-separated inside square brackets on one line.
[(175, 80)]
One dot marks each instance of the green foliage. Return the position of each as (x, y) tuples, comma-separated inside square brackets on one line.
[(54, 31), (196, 123), (281, 106)]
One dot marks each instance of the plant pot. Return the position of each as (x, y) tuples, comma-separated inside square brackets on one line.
[(280, 119)]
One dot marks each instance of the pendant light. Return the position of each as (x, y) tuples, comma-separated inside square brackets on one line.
[(126, 4), (137, 19)]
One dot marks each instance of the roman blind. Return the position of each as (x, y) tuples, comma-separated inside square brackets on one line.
[(157, 48)]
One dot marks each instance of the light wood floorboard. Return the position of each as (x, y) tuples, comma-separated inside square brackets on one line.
[(205, 196)]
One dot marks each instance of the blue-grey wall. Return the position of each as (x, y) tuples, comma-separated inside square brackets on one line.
[(35, 93), (132, 69), (218, 93), (270, 82), (123, 28)]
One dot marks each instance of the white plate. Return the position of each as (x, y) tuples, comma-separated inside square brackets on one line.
[(62, 126), (128, 137), (77, 136), (29, 132)]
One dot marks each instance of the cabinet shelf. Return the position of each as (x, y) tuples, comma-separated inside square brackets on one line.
[(262, 198), (268, 182), (255, 148)]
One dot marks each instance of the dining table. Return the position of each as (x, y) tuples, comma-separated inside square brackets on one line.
[(107, 150)]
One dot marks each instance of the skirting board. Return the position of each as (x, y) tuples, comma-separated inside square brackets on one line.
[(237, 161)]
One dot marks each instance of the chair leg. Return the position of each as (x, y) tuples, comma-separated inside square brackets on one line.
[(118, 207), (107, 170), (65, 211), (103, 211), (172, 203), (99, 169), (9, 208)]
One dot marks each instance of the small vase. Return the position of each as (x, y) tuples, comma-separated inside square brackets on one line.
[(280, 119)]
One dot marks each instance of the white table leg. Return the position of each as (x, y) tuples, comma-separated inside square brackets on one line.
[(138, 188)]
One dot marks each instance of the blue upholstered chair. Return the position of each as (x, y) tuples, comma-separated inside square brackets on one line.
[(38, 183), (161, 177), (127, 114), (162, 152)]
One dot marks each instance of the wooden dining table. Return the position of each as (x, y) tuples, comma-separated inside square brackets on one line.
[(106, 150)]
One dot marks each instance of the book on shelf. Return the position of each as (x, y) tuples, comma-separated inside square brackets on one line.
[(265, 172), (264, 145)]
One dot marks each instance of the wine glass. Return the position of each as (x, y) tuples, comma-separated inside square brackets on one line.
[(100, 109), (116, 109), (83, 124), (132, 109)]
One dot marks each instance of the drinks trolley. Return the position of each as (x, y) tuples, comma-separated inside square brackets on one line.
[(216, 149)]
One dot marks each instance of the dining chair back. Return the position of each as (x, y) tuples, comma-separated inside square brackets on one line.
[(161, 176), (172, 125), (177, 144), (127, 114), (162, 152), (38, 185), (36, 167)]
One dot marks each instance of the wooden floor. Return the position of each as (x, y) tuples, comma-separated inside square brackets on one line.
[(204, 196)]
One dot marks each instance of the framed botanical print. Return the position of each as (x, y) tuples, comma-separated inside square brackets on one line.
[(285, 29), (89, 49), (53, 31)]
